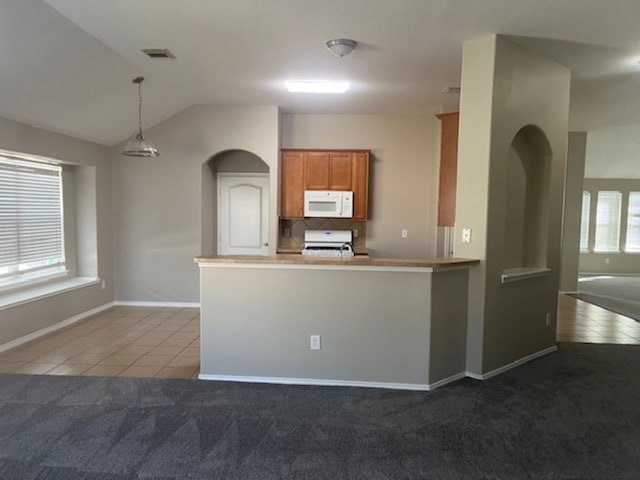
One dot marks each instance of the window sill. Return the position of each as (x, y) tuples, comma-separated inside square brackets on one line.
[(518, 274), (38, 293)]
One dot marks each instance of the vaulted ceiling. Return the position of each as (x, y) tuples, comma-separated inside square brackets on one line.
[(67, 65)]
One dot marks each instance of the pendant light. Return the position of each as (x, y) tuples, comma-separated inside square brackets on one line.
[(139, 146)]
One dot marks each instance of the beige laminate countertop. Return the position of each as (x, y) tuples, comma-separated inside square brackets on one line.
[(293, 259)]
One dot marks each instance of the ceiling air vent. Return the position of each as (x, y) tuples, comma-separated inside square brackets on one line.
[(158, 53), (451, 90)]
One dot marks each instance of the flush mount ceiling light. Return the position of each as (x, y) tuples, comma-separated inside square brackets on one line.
[(316, 86), (341, 46), (139, 146)]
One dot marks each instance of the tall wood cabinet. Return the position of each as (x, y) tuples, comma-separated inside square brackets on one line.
[(302, 170), (292, 182), (448, 169)]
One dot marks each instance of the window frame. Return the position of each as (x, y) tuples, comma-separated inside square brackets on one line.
[(585, 221), (58, 271), (614, 246)]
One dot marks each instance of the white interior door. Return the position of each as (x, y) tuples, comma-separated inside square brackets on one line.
[(243, 214)]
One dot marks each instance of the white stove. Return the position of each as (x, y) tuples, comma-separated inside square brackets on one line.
[(328, 243)]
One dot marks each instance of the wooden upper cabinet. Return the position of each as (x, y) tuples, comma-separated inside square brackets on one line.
[(301, 170), (360, 185), (316, 170), (448, 169), (292, 185), (340, 171)]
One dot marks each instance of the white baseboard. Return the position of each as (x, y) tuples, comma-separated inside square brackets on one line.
[(446, 381), (314, 381), (517, 363), (52, 328), (568, 292), (157, 304)]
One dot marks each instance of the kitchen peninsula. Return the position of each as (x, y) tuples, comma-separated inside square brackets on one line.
[(391, 323)]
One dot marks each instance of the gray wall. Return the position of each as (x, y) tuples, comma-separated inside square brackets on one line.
[(609, 262), (403, 181), (157, 211), (92, 224), (506, 321)]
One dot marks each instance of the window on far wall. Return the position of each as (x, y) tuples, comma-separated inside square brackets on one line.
[(31, 221), (608, 221), (632, 243), (584, 222)]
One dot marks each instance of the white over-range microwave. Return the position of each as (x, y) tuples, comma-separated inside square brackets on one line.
[(328, 203)]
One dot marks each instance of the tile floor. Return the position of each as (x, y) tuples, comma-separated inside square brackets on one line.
[(165, 342), (123, 341), (583, 322)]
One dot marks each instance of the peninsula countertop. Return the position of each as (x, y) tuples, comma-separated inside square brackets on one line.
[(358, 260)]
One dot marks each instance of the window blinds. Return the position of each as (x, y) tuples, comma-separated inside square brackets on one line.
[(31, 227), (608, 221), (632, 243), (584, 222)]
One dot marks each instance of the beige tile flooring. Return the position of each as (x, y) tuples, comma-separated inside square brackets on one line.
[(123, 341), (584, 322), (165, 342)]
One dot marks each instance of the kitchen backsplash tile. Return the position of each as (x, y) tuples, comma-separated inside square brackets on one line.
[(296, 229)]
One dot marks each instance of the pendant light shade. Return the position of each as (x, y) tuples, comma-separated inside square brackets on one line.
[(139, 146)]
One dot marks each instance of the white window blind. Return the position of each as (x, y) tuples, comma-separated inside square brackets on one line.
[(608, 222), (31, 226), (632, 243), (584, 222)]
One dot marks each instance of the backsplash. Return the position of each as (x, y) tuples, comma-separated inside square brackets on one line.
[(296, 229)]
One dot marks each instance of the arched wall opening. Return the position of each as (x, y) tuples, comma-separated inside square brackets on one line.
[(527, 209), (226, 162)]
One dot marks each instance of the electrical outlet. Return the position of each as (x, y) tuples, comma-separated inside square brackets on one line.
[(103, 284), (355, 233), (314, 342), (466, 235), (404, 233), (547, 319), (606, 261)]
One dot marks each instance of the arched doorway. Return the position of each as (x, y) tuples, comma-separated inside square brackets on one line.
[(235, 204)]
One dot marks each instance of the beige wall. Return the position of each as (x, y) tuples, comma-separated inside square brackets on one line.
[(572, 211), (505, 88), (93, 225), (157, 214), (609, 262), (403, 172), (384, 326)]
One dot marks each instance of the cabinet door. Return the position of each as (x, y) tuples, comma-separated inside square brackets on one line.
[(316, 171), (292, 185), (448, 169), (360, 185), (340, 171)]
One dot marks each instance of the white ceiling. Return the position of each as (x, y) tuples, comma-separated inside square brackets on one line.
[(67, 65)]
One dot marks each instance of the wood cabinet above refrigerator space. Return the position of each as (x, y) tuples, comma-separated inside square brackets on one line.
[(301, 170)]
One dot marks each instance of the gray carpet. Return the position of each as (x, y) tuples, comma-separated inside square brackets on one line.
[(620, 294), (574, 414)]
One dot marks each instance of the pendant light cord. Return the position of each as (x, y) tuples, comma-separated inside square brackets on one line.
[(140, 108), (138, 80)]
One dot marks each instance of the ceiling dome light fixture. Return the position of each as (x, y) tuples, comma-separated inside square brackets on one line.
[(139, 146), (341, 46)]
